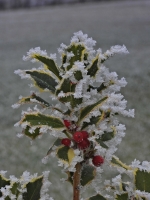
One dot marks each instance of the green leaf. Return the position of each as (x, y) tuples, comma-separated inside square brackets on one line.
[(142, 180), (78, 51), (68, 112), (14, 189), (33, 189), (117, 163), (57, 143), (66, 87), (43, 80), (144, 198), (33, 135), (78, 75), (34, 99), (101, 143), (62, 153), (70, 177), (7, 198), (97, 197), (123, 196), (50, 64), (65, 154), (101, 87), (88, 174), (93, 68), (108, 135), (40, 120), (86, 110), (95, 120), (3, 182), (73, 101)]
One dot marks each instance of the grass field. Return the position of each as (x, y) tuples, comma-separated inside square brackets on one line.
[(109, 24)]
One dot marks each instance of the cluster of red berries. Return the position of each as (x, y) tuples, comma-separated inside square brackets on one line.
[(81, 139)]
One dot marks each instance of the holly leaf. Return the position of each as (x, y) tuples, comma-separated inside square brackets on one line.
[(34, 99), (43, 80), (97, 197), (57, 143), (66, 154), (3, 183), (117, 163), (142, 180), (39, 120), (32, 135), (92, 70), (123, 196), (86, 110), (78, 51), (33, 189), (49, 64), (88, 174)]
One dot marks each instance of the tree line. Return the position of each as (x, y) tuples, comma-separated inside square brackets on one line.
[(12, 4)]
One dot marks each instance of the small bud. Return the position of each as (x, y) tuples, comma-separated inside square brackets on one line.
[(78, 137), (66, 141), (97, 161)]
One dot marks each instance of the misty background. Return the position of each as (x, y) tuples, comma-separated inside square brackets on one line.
[(109, 23)]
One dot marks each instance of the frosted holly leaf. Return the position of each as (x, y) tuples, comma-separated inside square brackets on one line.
[(38, 119), (70, 99), (34, 134), (86, 110), (39, 55), (34, 99), (43, 80), (97, 197), (117, 49), (108, 135), (123, 196), (93, 120), (49, 64), (101, 143), (57, 143), (117, 163), (15, 189), (88, 174), (92, 70), (33, 189), (99, 89), (70, 177), (142, 180), (66, 154), (3, 182), (78, 54), (66, 86)]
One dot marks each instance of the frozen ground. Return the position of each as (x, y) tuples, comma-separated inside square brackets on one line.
[(109, 24)]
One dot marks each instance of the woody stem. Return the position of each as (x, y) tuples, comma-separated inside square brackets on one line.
[(76, 182)]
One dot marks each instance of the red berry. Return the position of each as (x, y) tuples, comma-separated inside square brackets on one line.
[(85, 134), (78, 137), (66, 141), (98, 160), (67, 123), (84, 144)]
